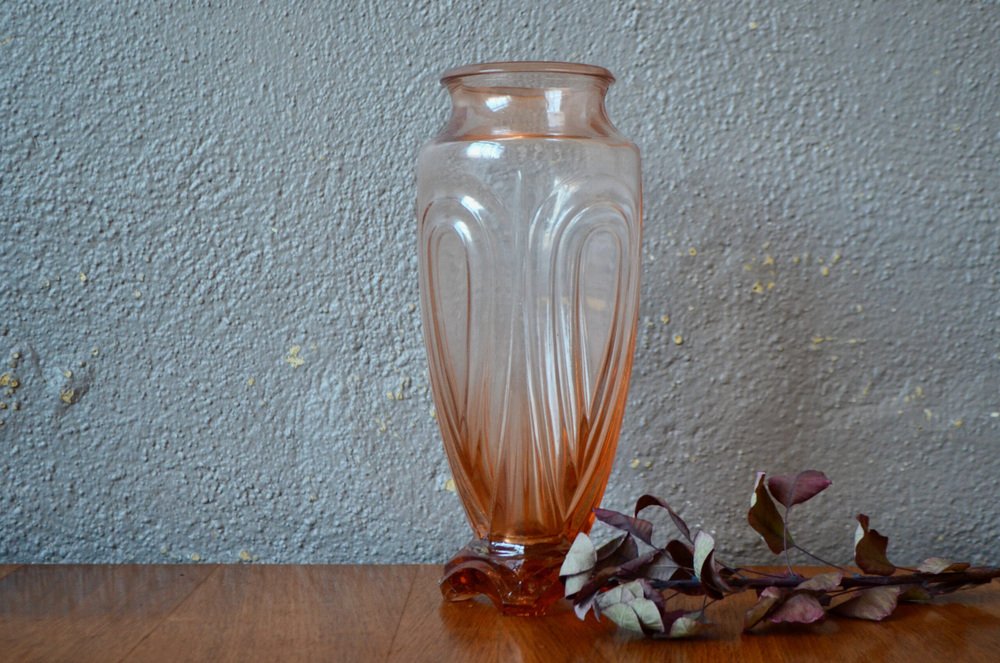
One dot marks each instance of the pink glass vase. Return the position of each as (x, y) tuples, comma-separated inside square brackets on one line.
[(529, 209)]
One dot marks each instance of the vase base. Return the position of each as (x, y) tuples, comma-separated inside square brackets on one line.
[(519, 579)]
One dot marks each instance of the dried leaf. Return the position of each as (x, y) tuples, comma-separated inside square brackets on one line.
[(651, 500), (637, 527), (685, 627), (799, 609), (706, 568), (668, 617), (704, 544), (627, 606), (648, 614), (875, 604), (624, 616), (765, 519), (768, 601), (655, 565), (611, 547), (621, 593), (941, 565), (627, 551), (635, 568), (596, 582), (791, 490), (914, 594), (581, 557), (824, 582), (869, 549), (949, 586), (711, 580), (583, 607), (652, 594), (575, 583), (661, 569), (683, 556)]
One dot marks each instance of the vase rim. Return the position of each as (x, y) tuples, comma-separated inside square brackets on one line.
[(527, 67)]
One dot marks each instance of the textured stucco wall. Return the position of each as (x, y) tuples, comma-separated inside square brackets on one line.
[(208, 292)]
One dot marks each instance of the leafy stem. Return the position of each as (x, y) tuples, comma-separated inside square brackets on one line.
[(971, 576), (635, 590)]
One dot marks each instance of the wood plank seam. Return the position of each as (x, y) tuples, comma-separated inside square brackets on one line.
[(399, 621), (169, 614), (6, 572)]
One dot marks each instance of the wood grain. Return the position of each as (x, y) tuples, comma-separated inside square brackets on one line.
[(87, 613), (8, 568), (434, 630), (376, 613), (963, 625), (285, 613)]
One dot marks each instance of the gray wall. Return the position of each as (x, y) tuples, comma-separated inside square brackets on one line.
[(187, 195)]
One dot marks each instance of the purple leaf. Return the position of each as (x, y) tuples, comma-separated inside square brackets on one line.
[(650, 565), (637, 527), (824, 582), (765, 519), (635, 567), (682, 554), (875, 604), (713, 583), (799, 609), (768, 601), (611, 547), (789, 490), (661, 569), (869, 549), (616, 552), (651, 500), (941, 565)]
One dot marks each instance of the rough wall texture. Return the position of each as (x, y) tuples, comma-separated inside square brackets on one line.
[(208, 292)]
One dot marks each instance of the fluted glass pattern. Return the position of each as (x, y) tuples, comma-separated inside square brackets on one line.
[(529, 211)]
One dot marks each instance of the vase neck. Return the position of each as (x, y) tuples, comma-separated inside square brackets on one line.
[(528, 100)]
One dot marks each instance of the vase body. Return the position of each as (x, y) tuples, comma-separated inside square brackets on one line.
[(529, 223)]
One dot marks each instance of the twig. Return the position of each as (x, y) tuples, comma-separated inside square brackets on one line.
[(973, 576)]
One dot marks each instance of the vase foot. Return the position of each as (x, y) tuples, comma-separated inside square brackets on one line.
[(519, 579)]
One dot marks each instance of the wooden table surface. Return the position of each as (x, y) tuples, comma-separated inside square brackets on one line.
[(360, 613)]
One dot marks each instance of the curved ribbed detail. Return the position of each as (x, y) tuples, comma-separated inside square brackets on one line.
[(529, 318), (458, 247)]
